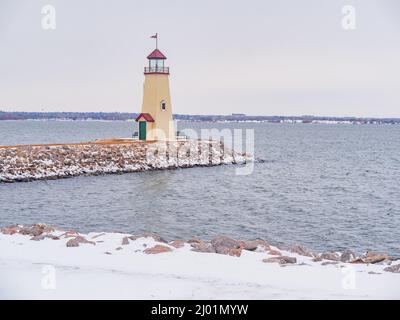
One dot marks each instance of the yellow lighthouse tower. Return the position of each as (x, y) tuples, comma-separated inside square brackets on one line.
[(155, 120)]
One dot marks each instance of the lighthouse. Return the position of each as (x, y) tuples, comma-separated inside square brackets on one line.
[(155, 120)]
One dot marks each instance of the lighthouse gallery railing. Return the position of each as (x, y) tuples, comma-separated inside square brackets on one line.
[(156, 70)]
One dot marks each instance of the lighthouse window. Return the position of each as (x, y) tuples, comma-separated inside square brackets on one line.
[(163, 105), (156, 63)]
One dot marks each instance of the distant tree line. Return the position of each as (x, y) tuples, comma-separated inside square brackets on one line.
[(66, 115), (123, 116)]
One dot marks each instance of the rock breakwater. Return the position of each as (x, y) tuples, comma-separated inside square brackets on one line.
[(27, 163)]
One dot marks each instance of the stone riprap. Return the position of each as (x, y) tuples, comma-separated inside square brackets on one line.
[(27, 163), (220, 244)]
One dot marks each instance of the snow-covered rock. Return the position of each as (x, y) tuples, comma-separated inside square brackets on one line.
[(25, 163), (148, 268)]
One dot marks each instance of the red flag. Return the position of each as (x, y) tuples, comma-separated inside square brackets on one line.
[(155, 36)]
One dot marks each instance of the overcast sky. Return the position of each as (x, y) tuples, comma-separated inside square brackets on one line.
[(255, 57)]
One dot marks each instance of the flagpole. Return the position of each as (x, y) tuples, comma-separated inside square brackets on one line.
[(155, 37)]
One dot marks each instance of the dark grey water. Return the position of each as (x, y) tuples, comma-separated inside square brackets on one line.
[(324, 186)]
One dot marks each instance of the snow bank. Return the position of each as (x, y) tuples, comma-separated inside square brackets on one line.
[(43, 262), (26, 163)]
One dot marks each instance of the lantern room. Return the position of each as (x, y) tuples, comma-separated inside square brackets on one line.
[(156, 63)]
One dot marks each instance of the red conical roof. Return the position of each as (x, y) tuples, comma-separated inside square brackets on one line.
[(156, 54)]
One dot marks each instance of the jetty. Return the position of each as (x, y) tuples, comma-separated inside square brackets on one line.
[(113, 156)]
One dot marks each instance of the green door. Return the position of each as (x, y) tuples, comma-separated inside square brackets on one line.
[(142, 130)]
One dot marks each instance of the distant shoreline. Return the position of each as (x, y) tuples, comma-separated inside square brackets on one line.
[(327, 122), (121, 116)]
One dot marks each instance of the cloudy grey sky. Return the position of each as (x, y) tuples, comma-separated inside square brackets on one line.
[(257, 57)]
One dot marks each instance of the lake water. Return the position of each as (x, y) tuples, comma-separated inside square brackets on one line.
[(328, 187)]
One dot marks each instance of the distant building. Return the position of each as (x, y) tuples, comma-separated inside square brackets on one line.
[(238, 115)]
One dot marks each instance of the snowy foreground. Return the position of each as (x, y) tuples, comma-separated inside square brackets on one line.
[(54, 264)]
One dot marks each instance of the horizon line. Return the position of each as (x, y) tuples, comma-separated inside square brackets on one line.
[(214, 115)]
